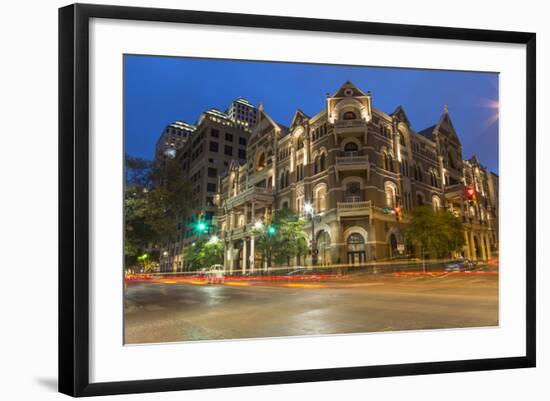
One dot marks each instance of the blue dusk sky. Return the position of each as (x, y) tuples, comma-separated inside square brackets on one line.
[(160, 90)]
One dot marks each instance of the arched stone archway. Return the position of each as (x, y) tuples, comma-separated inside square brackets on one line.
[(324, 247), (356, 245)]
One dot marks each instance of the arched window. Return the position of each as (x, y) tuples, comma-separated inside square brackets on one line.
[(260, 164), (320, 198), (391, 192), (356, 243), (323, 244), (436, 203), (284, 205), (353, 192), (419, 200), (322, 162), (390, 163), (287, 178), (316, 165), (349, 115), (282, 180), (351, 147)]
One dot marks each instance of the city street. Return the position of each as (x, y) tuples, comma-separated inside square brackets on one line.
[(170, 311)]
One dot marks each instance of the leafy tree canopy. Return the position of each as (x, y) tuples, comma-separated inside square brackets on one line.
[(156, 198), (435, 232)]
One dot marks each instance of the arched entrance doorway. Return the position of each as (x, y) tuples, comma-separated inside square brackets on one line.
[(356, 249), (393, 245), (323, 245)]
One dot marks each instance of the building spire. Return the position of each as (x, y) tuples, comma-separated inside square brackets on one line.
[(446, 108)]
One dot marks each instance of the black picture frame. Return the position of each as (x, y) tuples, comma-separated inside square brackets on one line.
[(74, 198)]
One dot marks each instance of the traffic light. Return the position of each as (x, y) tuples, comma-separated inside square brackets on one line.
[(398, 214), (201, 226), (271, 230), (470, 193)]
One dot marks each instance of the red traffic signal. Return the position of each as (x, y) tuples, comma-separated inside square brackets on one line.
[(470, 193)]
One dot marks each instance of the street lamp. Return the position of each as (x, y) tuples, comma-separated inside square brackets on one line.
[(258, 225), (214, 239), (310, 211)]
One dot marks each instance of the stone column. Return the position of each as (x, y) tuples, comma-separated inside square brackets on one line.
[(253, 211), (473, 246), (483, 247), (229, 256), (244, 256), (488, 246), (252, 254), (467, 243), (245, 214)]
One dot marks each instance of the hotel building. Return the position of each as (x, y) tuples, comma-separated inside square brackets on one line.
[(355, 164)]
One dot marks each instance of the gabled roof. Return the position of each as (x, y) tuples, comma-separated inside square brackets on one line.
[(400, 114), (349, 85), (444, 127), (428, 132), (299, 118)]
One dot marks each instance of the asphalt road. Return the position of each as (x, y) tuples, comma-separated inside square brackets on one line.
[(168, 312)]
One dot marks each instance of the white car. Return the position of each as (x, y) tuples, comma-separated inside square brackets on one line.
[(215, 275)]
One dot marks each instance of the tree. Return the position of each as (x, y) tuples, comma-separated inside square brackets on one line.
[(202, 254), (283, 239), (437, 233), (168, 201), (156, 198)]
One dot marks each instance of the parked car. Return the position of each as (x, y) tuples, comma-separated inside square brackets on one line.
[(459, 265), (215, 274)]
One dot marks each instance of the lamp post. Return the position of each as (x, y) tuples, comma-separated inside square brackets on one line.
[(309, 210)]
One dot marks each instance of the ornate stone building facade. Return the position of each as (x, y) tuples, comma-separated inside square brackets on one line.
[(356, 165)]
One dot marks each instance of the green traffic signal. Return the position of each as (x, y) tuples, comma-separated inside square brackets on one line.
[(271, 231)]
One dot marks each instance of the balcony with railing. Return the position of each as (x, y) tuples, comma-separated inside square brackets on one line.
[(248, 195), (351, 159), (350, 124), (354, 206)]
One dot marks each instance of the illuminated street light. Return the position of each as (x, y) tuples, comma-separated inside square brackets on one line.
[(214, 239), (258, 225), (308, 208), (310, 211)]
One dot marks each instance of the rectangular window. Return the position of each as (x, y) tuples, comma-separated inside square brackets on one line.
[(211, 187), (213, 146), (214, 133), (228, 150), (242, 154), (212, 172), (242, 141), (228, 137)]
